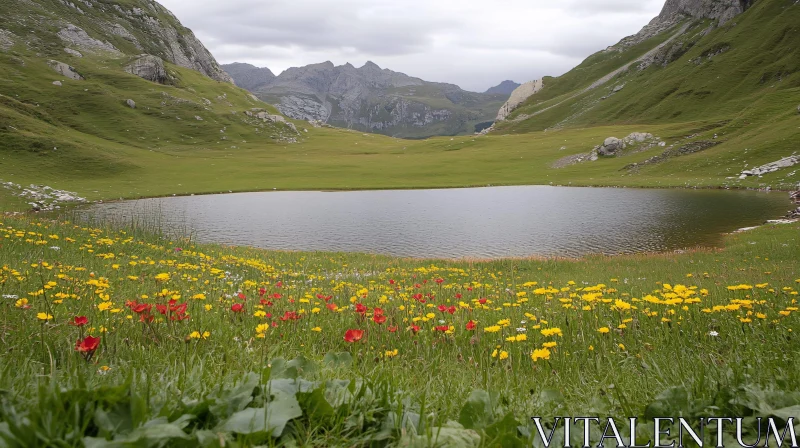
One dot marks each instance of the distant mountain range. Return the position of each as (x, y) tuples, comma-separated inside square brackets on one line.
[(372, 99)]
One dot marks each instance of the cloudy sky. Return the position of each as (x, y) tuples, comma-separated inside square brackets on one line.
[(475, 44)]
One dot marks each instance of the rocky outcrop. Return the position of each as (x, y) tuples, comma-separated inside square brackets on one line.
[(720, 10), (78, 37), (42, 197), (72, 52), (64, 70), (771, 167), (148, 67), (304, 108), (518, 96), (6, 40), (249, 77), (613, 146)]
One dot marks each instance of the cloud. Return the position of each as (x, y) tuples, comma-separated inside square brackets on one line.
[(475, 44)]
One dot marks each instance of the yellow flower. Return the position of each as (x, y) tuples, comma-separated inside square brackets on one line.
[(206, 334), (44, 316), (390, 353), (621, 347), (317, 329), (549, 344), (162, 277), (494, 353), (208, 307), (199, 296), (603, 330), (503, 355), (21, 303), (195, 335), (540, 353), (105, 306), (260, 313), (492, 329), (555, 331)]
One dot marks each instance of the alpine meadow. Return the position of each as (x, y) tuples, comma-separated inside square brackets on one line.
[(142, 327)]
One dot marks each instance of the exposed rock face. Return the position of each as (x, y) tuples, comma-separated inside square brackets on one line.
[(506, 87), (64, 69), (720, 10), (371, 99), (78, 37), (148, 67), (131, 103), (248, 76), (518, 97)]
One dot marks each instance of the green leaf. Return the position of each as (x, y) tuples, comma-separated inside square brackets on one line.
[(270, 419), (338, 360), (232, 400), (673, 402), (506, 432), (293, 369), (477, 411), (451, 435)]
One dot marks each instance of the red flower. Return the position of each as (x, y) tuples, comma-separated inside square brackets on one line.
[(279, 285), (290, 315), (161, 309), (241, 296), (360, 308), (414, 328), (237, 308), (451, 310), (442, 308), (482, 301), (440, 280), (458, 295), (276, 296), (87, 345), (262, 291), (471, 325), (392, 282), (353, 335), (442, 328), (379, 318), (140, 308), (392, 329), (331, 306), (79, 321)]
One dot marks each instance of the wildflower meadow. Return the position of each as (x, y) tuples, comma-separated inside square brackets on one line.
[(118, 337)]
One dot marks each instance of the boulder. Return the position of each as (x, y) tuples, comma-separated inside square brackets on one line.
[(148, 67), (610, 146), (638, 137), (6, 40), (131, 103), (64, 70), (57, 83), (618, 87)]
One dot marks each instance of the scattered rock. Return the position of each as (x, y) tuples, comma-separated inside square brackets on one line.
[(617, 88), (64, 70), (43, 198), (72, 52), (798, 109), (57, 83), (771, 167), (131, 103), (198, 118), (148, 67)]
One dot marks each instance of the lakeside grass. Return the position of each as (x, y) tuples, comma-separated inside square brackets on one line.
[(688, 331)]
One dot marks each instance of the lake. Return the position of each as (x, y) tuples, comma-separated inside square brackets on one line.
[(490, 222)]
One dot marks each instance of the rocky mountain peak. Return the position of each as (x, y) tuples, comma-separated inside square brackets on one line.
[(720, 10), (369, 65)]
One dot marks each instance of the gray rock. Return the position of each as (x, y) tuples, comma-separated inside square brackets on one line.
[(771, 167), (72, 52), (798, 109), (721, 10), (618, 87), (610, 146), (249, 77), (57, 83), (64, 70), (131, 103), (638, 137), (148, 67), (198, 118), (78, 37), (6, 40)]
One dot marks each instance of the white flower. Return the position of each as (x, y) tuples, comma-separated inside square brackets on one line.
[(441, 322), (10, 296), (713, 333), (522, 330), (55, 248)]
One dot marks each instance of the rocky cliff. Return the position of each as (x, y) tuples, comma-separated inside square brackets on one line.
[(249, 76), (114, 28), (373, 99)]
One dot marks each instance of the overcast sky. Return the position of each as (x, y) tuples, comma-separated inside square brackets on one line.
[(475, 44)]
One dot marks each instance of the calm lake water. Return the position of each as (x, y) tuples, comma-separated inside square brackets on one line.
[(475, 222)]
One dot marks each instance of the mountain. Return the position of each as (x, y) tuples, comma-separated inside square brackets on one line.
[(504, 88), (715, 60), (376, 100), (248, 76)]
